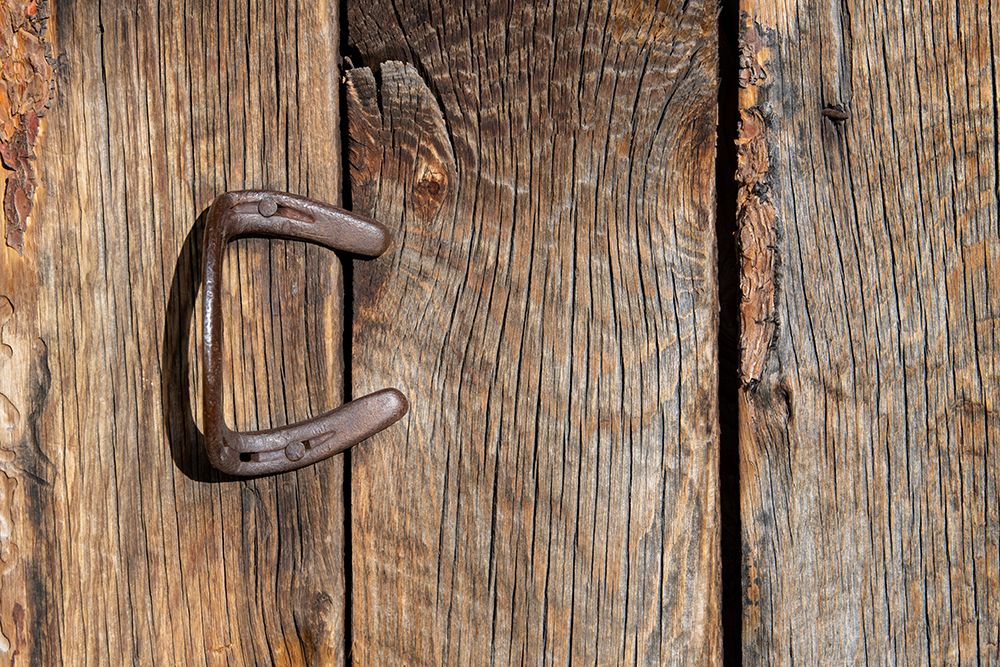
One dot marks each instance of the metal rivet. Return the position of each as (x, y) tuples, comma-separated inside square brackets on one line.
[(836, 113), (295, 451), (267, 207)]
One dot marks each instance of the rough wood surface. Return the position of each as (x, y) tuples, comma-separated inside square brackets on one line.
[(116, 543), (870, 237), (550, 309)]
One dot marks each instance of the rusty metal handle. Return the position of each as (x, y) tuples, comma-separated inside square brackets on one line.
[(281, 215)]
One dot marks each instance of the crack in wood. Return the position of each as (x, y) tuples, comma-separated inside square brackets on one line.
[(372, 105)]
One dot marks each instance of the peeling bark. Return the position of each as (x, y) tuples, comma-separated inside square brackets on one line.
[(756, 219), (752, 53), (26, 88)]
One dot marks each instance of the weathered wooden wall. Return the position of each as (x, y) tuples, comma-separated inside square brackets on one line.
[(116, 543), (550, 309), (871, 245)]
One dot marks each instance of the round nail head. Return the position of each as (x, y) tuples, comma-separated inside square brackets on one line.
[(295, 451), (267, 207)]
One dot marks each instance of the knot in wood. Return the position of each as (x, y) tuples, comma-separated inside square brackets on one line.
[(430, 190)]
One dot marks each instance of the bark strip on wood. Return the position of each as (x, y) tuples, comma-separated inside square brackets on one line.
[(755, 215), (26, 84)]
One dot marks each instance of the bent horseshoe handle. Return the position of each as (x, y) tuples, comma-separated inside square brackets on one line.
[(280, 215)]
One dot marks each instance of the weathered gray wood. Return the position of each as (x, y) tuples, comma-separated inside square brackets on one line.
[(871, 330), (111, 553), (550, 309)]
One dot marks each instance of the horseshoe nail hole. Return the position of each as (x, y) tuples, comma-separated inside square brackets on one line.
[(246, 457)]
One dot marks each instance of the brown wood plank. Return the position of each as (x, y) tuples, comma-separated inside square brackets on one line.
[(117, 545), (871, 329), (550, 309)]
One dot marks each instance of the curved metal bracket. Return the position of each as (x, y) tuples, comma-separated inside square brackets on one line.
[(280, 215)]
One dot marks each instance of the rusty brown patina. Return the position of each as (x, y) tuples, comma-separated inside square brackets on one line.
[(281, 215)]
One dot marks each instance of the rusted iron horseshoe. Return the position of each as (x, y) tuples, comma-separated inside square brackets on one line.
[(280, 215)]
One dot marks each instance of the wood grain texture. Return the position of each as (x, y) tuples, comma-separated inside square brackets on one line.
[(117, 544), (869, 418), (26, 76), (550, 309)]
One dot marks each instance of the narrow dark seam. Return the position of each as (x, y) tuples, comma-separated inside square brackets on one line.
[(347, 311), (728, 277)]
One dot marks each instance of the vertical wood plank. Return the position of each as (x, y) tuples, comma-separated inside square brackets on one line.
[(125, 547), (550, 309), (26, 531), (871, 332)]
